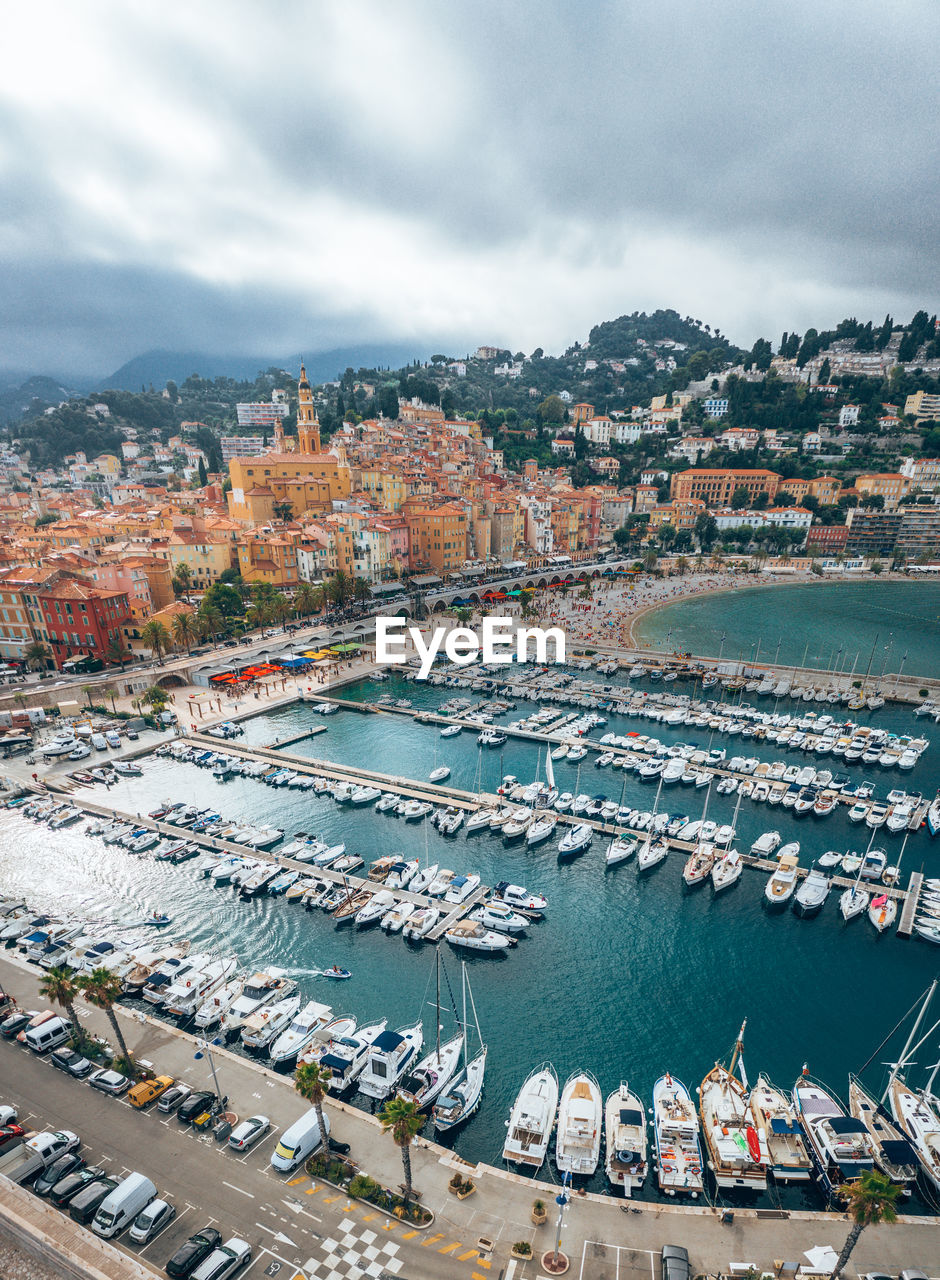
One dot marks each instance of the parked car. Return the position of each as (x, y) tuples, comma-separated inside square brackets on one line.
[(191, 1253), (676, 1265), (113, 738), (73, 1063), (128, 1199), (248, 1132), (58, 1170), (108, 1081), (141, 1094), (11, 1026), (84, 1205), (913, 1273), (224, 1261), (132, 734), (8, 1115), (68, 1187), (173, 1097), (11, 1135), (195, 1105), (157, 1215), (99, 742)]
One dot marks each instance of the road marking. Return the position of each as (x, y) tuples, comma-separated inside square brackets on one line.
[(331, 1199), (409, 1235), (293, 1181), (475, 1275), (241, 1191), (449, 1248), (471, 1253), (432, 1239)]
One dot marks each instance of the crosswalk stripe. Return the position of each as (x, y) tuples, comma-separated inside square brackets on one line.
[(432, 1239), (449, 1248), (471, 1253), (409, 1235)]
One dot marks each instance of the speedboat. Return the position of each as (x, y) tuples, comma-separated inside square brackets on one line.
[(840, 1146), (214, 1008), (776, 1123), (364, 795), (395, 920), (480, 820), (471, 934), (676, 1130), (343, 1055), (186, 996), (782, 884), (766, 844), (532, 1119), (498, 916), (461, 1097), (420, 923), (580, 1125), (266, 1025), (515, 895), (424, 879), (389, 1057), (373, 910), (626, 1140), (259, 990), (811, 895), (432, 1074), (301, 1032), (576, 839), (461, 888)]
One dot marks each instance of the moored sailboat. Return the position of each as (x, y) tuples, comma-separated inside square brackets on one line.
[(738, 1156)]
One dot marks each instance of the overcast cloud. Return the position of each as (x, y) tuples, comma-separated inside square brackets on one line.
[(244, 177)]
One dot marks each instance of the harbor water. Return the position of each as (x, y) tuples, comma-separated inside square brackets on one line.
[(826, 625), (627, 976)]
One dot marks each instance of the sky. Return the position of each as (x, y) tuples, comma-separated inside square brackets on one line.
[(247, 178)]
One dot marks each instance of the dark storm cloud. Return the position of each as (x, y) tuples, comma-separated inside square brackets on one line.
[(243, 178)]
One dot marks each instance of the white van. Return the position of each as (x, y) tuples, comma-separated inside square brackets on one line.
[(99, 742), (113, 738), (123, 1205), (298, 1142), (48, 1035)]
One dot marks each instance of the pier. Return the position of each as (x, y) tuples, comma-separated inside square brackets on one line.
[(909, 909)]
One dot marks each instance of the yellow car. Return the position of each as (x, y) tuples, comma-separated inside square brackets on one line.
[(147, 1090)]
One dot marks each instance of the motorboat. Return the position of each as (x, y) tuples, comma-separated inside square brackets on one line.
[(414, 810), (515, 895), (188, 994), (576, 839), (301, 1032), (811, 895), (517, 825), (395, 920), (775, 1121), (259, 990), (440, 774), (726, 870), (840, 1146), (460, 1098), (481, 820), (917, 1114), (766, 845), (373, 910), (625, 1140), (389, 1057), (497, 915), (472, 934), (580, 1125), (894, 1154), (676, 1131), (619, 850), (782, 884), (401, 873), (263, 1027), (342, 1055), (873, 864), (420, 923), (441, 883), (424, 879), (214, 1007), (451, 731), (364, 795), (532, 1119)]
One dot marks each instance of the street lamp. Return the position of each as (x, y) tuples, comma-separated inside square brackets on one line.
[(556, 1262), (204, 1050)]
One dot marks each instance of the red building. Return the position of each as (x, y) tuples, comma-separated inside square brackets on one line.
[(828, 539), (82, 620)]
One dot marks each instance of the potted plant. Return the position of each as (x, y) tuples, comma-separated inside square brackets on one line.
[(455, 1186), (539, 1212), (521, 1249)]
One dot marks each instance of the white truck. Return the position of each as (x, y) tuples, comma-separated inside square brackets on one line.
[(37, 1153)]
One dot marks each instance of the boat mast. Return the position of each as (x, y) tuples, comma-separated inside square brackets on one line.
[(910, 1040), (738, 1048), (438, 972), (463, 992)]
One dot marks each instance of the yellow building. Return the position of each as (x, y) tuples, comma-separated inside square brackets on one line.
[(437, 536), (268, 557), (206, 555)]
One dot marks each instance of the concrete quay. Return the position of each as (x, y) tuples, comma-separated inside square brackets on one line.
[(292, 1221)]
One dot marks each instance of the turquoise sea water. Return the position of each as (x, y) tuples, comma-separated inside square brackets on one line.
[(628, 976), (835, 624)]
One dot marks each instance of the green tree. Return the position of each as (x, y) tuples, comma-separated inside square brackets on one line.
[(706, 530), (283, 511), (185, 630), (649, 560), (182, 579), (88, 690), (103, 989), (876, 567), (339, 589), (401, 1118), (741, 498), (310, 1081), (59, 986), (869, 1201), (109, 691), (156, 637), (388, 402), (667, 535), (155, 697), (682, 564), (362, 590), (116, 651), (37, 655), (307, 599), (463, 615), (551, 411), (210, 621), (203, 475)]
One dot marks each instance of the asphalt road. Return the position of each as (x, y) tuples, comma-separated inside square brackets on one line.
[(292, 1224)]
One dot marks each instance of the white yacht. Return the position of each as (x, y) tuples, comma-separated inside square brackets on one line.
[(390, 1055), (260, 989), (840, 1145), (497, 915), (727, 870), (461, 1098), (619, 850), (576, 839), (918, 1115), (532, 1119), (894, 1154), (261, 1028), (214, 1008), (472, 935), (775, 1120), (186, 996), (782, 884), (626, 1140), (543, 828), (580, 1125), (420, 923), (766, 844), (345, 1056), (301, 1032), (676, 1130), (430, 1077)]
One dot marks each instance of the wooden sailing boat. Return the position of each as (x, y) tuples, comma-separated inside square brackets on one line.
[(737, 1154)]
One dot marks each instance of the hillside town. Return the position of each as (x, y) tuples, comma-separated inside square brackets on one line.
[(822, 458)]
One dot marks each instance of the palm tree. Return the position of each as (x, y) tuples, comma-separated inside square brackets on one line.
[(155, 697), (209, 621), (682, 564), (88, 690), (116, 651), (869, 1201), (649, 561), (305, 600), (182, 579), (185, 630), (280, 608), (109, 691), (60, 987), (401, 1118), (156, 637), (362, 590), (310, 1081), (103, 989), (36, 655), (283, 511)]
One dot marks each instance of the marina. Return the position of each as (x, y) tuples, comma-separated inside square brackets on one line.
[(266, 930)]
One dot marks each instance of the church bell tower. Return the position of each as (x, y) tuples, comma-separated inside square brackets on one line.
[(308, 425)]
